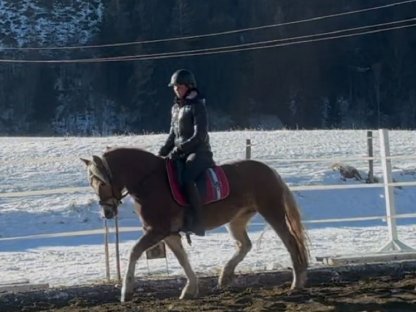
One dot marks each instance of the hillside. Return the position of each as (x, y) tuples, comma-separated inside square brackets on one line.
[(335, 72)]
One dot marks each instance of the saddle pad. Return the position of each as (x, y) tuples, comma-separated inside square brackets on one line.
[(213, 184)]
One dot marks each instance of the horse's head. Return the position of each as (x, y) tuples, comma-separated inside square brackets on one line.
[(101, 180)]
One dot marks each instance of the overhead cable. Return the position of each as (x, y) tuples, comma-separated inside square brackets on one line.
[(251, 44), (237, 48), (235, 31)]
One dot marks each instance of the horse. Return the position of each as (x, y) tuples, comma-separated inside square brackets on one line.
[(254, 188)]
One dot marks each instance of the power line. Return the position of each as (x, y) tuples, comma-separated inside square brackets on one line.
[(264, 42), (234, 48), (122, 44), (276, 45)]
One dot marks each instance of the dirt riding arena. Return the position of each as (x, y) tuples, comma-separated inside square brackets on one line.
[(376, 287)]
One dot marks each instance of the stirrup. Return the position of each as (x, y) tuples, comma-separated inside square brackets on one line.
[(199, 231)]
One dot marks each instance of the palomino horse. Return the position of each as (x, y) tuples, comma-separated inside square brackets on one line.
[(254, 188)]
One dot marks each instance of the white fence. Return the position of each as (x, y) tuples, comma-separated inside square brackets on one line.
[(387, 184)]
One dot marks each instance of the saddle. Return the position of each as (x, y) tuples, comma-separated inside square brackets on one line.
[(212, 183)]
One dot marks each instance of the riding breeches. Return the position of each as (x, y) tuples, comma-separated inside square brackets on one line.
[(195, 164)]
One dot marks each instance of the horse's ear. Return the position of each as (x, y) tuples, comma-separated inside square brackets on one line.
[(100, 170), (86, 161), (97, 161)]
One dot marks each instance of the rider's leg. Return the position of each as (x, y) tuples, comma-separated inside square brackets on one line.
[(194, 199), (194, 166)]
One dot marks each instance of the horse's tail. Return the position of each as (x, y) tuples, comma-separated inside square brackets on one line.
[(294, 223)]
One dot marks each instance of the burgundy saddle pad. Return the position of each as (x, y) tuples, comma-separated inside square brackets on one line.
[(213, 184)]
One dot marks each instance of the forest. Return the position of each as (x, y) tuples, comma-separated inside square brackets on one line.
[(101, 67)]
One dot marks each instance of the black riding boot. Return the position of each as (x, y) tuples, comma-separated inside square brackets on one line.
[(196, 206)]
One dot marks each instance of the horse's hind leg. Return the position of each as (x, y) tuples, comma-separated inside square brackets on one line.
[(237, 229), (191, 288), (289, 240), (146, 241)]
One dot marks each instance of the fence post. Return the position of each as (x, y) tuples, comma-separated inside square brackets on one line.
[(248, 149), (106, 253), (394, 244), (370, 154)]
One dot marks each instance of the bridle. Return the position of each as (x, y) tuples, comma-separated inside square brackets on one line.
[(101, 171)]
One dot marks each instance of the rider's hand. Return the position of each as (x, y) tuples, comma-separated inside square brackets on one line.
[(176, 154), (163, 152)]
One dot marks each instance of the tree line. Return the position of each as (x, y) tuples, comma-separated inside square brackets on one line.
[(366, 81)]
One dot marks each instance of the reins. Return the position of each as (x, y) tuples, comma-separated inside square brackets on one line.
[(110, 179), (116, 202)]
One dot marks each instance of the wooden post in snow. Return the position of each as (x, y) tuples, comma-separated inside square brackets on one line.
[(248, 149), (370, 178)]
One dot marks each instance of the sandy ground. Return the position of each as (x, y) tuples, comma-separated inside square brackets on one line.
[(381, 287)]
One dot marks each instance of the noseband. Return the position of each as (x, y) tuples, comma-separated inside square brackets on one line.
[(112, 202), (102, 171)]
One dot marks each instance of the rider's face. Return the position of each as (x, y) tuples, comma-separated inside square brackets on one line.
[(180, 90)]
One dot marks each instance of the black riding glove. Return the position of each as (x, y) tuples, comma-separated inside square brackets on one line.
[(164, 151), (176, 154)]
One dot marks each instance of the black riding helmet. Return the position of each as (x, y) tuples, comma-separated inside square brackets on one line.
[(183, 77)]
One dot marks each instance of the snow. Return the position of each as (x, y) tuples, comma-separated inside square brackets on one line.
[(32, 248), (47, 23)]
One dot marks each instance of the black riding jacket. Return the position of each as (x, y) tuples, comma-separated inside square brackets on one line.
[(189, 126)]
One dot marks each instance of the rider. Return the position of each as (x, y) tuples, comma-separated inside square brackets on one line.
[(188, 139)]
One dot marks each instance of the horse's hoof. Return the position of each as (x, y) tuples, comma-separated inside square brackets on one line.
[(225, 282), (217, 289), (126, 297), (292, 291), (186, 294)]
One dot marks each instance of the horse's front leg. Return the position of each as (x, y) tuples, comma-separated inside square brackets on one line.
[(191, 288), (146, 241)]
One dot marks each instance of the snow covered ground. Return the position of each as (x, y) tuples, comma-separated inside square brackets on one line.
[(30, 247)]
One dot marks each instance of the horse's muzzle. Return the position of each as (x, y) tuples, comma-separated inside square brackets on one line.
[(109, 208), (109, 214)]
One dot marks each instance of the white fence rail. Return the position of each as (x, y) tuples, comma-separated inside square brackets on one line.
[(388, 185)]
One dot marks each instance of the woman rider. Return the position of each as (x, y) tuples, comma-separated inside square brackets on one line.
[(188, 139)]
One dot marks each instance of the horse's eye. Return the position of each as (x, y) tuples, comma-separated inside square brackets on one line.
[(96, 183)]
